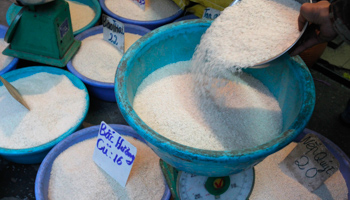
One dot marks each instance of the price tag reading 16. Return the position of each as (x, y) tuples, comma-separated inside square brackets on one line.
[(114, 154), (113, 32)]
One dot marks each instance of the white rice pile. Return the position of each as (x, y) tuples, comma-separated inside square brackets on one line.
[(56, 105), (154, 9), (81, 14), (246, 34), (271, 183), (98, 60), (4, 60), (74, 175), (240, 115)]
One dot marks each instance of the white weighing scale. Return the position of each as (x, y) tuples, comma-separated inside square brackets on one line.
[(186, 186)]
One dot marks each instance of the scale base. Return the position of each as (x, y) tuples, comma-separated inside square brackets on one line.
[(170, 175), (186, 186), (62, 62)]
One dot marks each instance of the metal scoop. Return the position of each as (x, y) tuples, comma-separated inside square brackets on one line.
[(265, 63)]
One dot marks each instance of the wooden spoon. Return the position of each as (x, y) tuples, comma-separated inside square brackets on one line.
[(14, 92)]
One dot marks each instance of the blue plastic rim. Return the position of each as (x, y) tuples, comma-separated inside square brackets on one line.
[(36, 154), (14, 9), (288, 79), (148, 24), (187, 17), (43, 175), (102, 90), (13, 64)]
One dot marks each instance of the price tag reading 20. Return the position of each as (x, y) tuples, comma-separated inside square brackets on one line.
[(113, 32), (310, 163), (114, 154)]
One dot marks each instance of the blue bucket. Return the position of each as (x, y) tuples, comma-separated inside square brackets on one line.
[(288, 79), (13, 64), (43, 176), (36, 154), (148, 24), (14, 9), (102, 90)]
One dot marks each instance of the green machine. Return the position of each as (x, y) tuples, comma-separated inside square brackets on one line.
[(42, 32)]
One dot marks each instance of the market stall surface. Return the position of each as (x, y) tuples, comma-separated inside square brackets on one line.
[(17, 180)]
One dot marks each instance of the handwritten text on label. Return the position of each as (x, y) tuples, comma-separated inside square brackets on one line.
[(310, 162), (114, 154), (211, 13), (140, 3), (113, 32)]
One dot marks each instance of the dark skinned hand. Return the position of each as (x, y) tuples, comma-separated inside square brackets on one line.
[(315, 13)]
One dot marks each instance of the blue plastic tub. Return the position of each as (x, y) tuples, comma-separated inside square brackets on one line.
[(288, 79), (14, 9), (13, 64), (43, 175), (148, 24), (102, 90), (36, 154)]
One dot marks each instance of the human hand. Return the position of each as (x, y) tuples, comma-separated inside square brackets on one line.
[(316, 13)]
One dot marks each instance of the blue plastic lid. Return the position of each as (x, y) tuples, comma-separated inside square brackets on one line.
[(148, 24)]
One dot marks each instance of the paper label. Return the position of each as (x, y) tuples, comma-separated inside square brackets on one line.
[(114, 154), (310, 163), (211, 13), (140, 3), (64, 28), (113, 32)]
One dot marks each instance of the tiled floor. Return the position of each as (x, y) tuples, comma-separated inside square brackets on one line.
[(339, 56)]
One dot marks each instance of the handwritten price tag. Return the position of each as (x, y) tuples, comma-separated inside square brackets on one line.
[(113, 32), (114, 154), (211, 13), (140, 3), (310, 163)]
